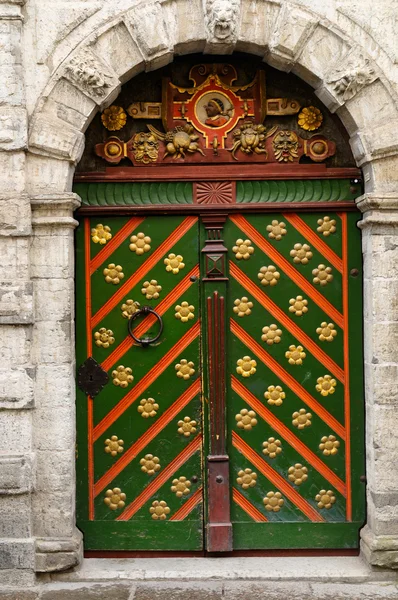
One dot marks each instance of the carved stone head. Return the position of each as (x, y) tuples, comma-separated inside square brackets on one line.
[(145, 147), (285, 145), (222, 19)]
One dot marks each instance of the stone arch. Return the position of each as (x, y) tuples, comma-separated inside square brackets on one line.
[(349, 82)]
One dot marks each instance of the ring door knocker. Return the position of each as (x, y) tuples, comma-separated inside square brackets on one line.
[(145, 310)]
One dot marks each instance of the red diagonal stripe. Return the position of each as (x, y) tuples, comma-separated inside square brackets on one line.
[(286, 321), (140, 273), (292, 273), (148, 436), (161, 479), (249, 509), (284, 376), (114, 243), (276, 479), (285, 432), (147, 380), (188, 506)]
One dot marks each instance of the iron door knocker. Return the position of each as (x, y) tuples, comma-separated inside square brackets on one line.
[(145, 310)]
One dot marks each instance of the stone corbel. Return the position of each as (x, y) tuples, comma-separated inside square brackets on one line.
[(58, 554), (54, 210), (379, 550), (378, 210)]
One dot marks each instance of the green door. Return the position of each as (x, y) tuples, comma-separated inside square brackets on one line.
[(241, 426)]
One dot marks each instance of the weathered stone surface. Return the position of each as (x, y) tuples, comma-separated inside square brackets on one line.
[(152, 40), (257, 24), (53, 297), (52, 256), (119, 49), (53, 514), (52, 137), (15, 514), (15, 474), (55, 386), (292, 30), (18, 555), (15, 215), (16, 302), (13, 128), (88, 591), (180, 591)]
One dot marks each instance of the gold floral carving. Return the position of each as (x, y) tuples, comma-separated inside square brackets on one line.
[(187, 427), (184, 312), (140, 243), (322, 275), (272, 447), (273, 501), (247, 478), (298, 474), (122, 376), (246, 366), (301, 253), (276, 230), (179, 140), (329, 445), (243, 249), (301, 419), (325, 385), (295, 355), (145, 147), (326, 332), (100, 234), (159, 510), (286, 145), (114, 118), (181, 487), (246, 419), (325, 499), (271, 334), (242, 306), (327, 226), (298, 306), (174, 263), (274, 395), (310, 118), (268, 275), (114, 446), (185, 369), (104, 338), (113, 273), (115, 498), (148, 408), (151, 289), (129, 308), (150, 464)]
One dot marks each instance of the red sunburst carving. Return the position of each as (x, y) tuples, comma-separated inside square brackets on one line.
[(214, 192)]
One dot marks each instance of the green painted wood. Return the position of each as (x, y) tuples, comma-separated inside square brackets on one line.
[(134, 194), (302, 190)]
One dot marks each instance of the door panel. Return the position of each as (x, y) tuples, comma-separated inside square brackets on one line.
[(139, 476), (295, 415)]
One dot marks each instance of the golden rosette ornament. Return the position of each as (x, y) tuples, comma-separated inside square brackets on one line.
[(310, 118), (114, 118)]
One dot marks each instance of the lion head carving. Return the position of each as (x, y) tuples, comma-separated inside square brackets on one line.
[(221, 17)]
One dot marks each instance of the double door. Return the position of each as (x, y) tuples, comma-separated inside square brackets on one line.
[(219, 398)]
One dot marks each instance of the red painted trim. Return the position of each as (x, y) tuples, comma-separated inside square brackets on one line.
[(89, 341)]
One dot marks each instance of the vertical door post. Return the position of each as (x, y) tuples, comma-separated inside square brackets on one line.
[(219, 527)]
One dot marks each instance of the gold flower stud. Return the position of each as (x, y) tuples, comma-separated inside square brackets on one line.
[(276, 230), (185, 369), (301, 253), (184, 312), (104, 338), (242, 306), (100, 234), (150, 464), (246, 419), (272, 447), (247, 478), (327, 332), (159, 510), (122, 376), (271, 334), (174, 263), (243, 249), (322, 275), (327, 226), (113, 274), (187, 427), (295, 355), (273, 501), (268, 275), (114, 446), (129, 308), (115, 498), (325, 499), (151, 289), (329, 445), (181, 487), (310, 118), (301, 419), (325, 385), (148, 408), (298, 306), (246, 366), (274, 395), (114, 118), (140, 243), (298, 474)]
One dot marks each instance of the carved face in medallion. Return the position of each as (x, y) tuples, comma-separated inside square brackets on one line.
[(222, 18), (145, 147), (285, 145)]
